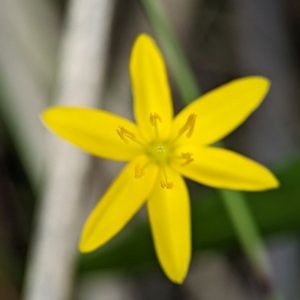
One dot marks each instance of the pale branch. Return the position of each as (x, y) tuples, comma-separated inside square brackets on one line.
[(80, 80)]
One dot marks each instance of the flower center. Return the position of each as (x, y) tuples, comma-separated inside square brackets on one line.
[(160, 152)]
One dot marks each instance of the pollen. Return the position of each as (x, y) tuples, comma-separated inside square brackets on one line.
[(167, 185), (188, 158), (189, 126), (160, 149), (138, 172), (124, 134)]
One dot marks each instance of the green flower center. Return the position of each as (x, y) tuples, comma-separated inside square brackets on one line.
[(160, 152)]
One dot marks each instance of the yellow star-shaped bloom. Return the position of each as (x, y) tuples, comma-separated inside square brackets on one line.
[(160, 150)]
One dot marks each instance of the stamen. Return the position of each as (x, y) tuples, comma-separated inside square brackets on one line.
[(124, 134), (154, 118), (188, 157), (188, 126), (138, 171), (165, 183)]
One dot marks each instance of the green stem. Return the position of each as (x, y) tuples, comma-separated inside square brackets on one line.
[(247, 231), (242, 220)]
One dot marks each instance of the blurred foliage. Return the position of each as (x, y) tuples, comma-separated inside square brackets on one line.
[(17, 201)]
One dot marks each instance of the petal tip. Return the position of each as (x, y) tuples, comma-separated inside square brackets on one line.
[(142, 41), (179, 277), (274, 184), (43, 114), (178, 280), (47, 115), (260, 81), (271, 182), (177, 273), (90, 240), (84, 246), (143, 37), (87, 242), (44, 117)]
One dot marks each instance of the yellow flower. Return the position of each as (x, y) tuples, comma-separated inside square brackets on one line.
[(161, 150)]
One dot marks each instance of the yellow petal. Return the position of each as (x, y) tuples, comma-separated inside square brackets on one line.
[(222, 110), (118, 205), (94, 131), (150, 88), (221, 168), (169, 214)]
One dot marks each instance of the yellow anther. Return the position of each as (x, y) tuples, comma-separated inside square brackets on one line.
[(124, 134), (167, 185), (188, 126), (138, 172), (188, 158), (154, 118)]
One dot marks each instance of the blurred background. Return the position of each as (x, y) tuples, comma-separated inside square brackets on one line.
[(76, 53)]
